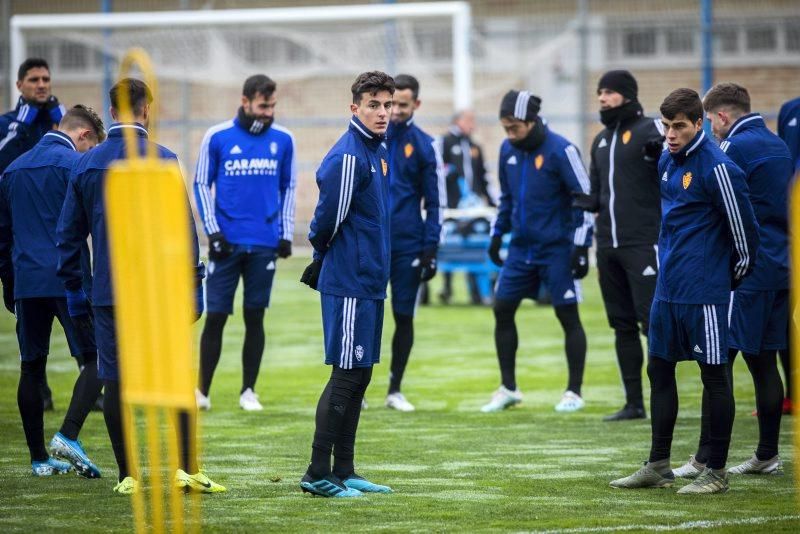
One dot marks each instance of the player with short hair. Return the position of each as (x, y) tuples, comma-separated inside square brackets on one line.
[(250, 162), (760, 305), (540, 172), (350, 233), (416, 182), (84, 214), (707, 224), (32, 192)]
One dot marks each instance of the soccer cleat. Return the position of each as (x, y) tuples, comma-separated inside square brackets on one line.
[(127, 486), (397, 401), (355, 482), (690, 469), (645, 477), (501, 399), (203, 402), (570, 402), (248, 401), (50, 467), (198, 482), (707, 482), (626, 413), (754, 466), (72, 451), (329, 486)]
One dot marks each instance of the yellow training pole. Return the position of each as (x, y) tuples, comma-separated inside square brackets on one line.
[(794, 334)]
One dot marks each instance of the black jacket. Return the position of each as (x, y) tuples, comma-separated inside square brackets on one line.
[(462, 158)]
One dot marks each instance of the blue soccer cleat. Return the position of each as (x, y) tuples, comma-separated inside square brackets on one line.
[(365, 486), (50, 467), (330, 486), (72, 451)]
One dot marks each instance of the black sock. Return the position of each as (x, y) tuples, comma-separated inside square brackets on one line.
[(112, 412), (721, 412), (769, 401), (630, 358), (704, 443), (663, 406), (786, 363), (84, 394), (210, 348), (402, 341), (253, 348), (31, 408), (44, 389), (345, 447), (506, 341), (187, 440), (330, 413), (574, 344)]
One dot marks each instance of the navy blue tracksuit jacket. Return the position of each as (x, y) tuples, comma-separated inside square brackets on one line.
[(789, 129)]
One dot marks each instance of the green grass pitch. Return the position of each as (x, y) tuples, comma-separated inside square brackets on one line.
[(453, 468)]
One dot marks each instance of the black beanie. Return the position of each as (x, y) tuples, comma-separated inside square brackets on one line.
[(521, 105), (620, 81)]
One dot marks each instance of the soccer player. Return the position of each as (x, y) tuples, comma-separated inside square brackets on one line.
[(250, 162), (760, 308), (32, 192), (707, 224), (415, 179), (625, 194), (83, 214), (539, 173), (351, 238)]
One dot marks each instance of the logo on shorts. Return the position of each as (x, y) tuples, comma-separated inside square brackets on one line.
[(408, 150), (570, 294), (687, 180), (359, 352), (271, 266), (539, 161), (626, 137), (649, 271), (697, 349), (273, 148)]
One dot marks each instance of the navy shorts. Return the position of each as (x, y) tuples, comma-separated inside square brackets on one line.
[(35, 324), (256, 265), (405, 283), (352, 330), (689, 332), (521, 279), (759, 321), (105, 335)]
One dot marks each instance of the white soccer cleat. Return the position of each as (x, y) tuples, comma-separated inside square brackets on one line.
[(570, 402), (501, 399), (203, 402), (248, 401), (754, 466), (690, 469), (397, 401)]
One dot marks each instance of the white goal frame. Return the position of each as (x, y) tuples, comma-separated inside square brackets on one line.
[(459, 12)]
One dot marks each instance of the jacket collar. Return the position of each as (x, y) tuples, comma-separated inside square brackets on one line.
[(690, 148), (751, 120), (117, 128), (61, 138), (398, 129), (370, 138)]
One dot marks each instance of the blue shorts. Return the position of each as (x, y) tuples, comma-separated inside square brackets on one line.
[(105, 335), (759, 321), (35, 324), (405, 283), (520, 279), (256, 265), (352, 329), (689, 332)]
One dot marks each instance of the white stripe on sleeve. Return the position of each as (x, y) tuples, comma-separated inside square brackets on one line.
[(578, 168)]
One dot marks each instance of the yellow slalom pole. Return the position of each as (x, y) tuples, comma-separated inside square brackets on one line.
[(794, 337)]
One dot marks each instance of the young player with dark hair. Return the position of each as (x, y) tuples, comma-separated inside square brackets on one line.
[(415, 168), (760, 307), (707, 224), (350, 233), (84, 214), (540, 172), (32, 192), (250, 162)]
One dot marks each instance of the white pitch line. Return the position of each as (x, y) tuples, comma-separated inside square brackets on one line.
[(686, 525)]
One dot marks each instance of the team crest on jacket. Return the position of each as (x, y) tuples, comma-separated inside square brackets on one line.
[(408, 150), (626, 137), (687, 180), (384, 166), (273, 148), (539, 161)]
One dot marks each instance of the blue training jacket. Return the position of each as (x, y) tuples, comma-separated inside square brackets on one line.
[(709, 233), (254, 176), (32, 193), (768, 170), (350, 230), (416, 177), (789, 129), (536, 199), (84, 214), (23, 127)]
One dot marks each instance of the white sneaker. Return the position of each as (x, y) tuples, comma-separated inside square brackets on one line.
[(203, 402), (397, 401), (570, 402), (690, 469), (754, 466), (501, 399), (249, 401)]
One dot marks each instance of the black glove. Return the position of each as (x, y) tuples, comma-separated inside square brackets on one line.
[(311, 274), (218, 247), (199, 302), (284, 248), (494, 250), (427, 264), (652, 149), (580, 262), (585, 202), (8, 294)]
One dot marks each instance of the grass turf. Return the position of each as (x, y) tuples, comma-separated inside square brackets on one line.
[(453, 468)]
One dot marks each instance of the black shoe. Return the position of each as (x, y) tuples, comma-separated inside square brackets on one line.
[(98, 404), (629, 411), (47, 402)]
